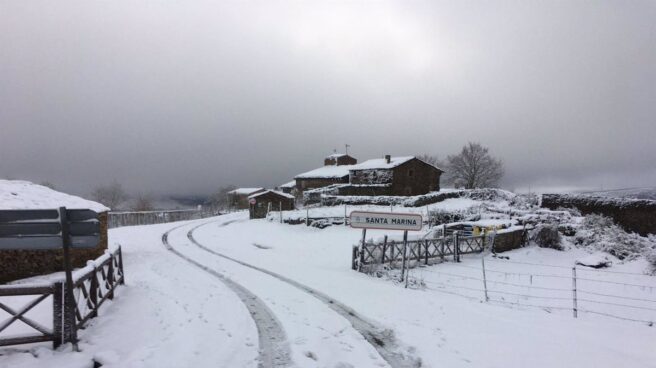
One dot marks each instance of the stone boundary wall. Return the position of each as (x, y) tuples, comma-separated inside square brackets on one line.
[(636, 215), (509, 240), (416, 201), (20, 264)]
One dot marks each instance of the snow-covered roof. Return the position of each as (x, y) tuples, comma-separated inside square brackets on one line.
[(381, 163), (336, 155), (245, 191), (272, 191), (289, 184), (326, 172), (20, 194)]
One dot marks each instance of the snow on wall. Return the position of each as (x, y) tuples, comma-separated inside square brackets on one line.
[(638, 215), (371, 176)]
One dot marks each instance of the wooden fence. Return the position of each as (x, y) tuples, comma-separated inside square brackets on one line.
[(118, 219), (417, 251), (92, 286)]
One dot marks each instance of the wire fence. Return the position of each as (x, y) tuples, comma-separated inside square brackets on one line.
[(621, 295)]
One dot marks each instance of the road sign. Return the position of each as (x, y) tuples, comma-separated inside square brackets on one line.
[(44, 229), (252, 201), (386, 220)]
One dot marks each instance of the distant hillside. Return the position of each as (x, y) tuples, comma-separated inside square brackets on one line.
[(177, 202)]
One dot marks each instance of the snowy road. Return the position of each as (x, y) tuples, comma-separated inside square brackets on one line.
[(273, 344), (381, 339), (323, 331)]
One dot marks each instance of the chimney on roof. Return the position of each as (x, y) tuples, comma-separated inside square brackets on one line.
[(388, 158)]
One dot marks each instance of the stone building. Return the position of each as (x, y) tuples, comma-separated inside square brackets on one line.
[(335, 171), (238, 198), (396, 176), (339, 159), (24, 195), (270, 200), (288, 187)]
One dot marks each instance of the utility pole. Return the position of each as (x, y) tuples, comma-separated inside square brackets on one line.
[(346, 147)]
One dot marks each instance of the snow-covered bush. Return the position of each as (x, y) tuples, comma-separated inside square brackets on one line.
[(651, 258), (524, 201), (547, 236), (439, 217), (600, 233)]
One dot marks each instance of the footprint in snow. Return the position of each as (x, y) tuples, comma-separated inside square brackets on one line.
[(259, 246)]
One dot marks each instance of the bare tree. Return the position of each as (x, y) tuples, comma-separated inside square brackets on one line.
[(432, 159), (143, 202), (111, 195), (474, 167), (220, 198)]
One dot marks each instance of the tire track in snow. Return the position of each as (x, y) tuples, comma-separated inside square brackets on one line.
[(381, 339), (274, 349)]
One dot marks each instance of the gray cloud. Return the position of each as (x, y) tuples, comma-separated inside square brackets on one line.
[(182, 97)]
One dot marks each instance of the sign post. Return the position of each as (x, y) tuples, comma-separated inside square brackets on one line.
[(69, 299), (386, 221)]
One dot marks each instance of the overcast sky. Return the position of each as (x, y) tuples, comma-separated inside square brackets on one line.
[(186, 96)]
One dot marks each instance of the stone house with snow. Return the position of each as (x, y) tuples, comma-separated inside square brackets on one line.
[(338, 159), (388, 176), (335, 171), (238, 198), (269, 200), (395, 176), (287, 187), (24, 195)]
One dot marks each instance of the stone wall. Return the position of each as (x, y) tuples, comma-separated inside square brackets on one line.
[(636, 215), (509, 240), (19, 264)]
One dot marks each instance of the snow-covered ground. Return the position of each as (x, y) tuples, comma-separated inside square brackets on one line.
[(175, 314)]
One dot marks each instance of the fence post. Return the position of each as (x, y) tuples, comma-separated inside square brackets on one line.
[(487, 299), (407, 270), (93, 292), (345, 217), (110, 276), (354, 256), (405, 249), (382, 260), (120, 264), (58, 314), (426, 251), (442, 241), (280, 207), (307, 217), (455, 246), (575, 309)]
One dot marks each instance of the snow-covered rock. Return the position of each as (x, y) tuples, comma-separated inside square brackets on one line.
[(595, 260)]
